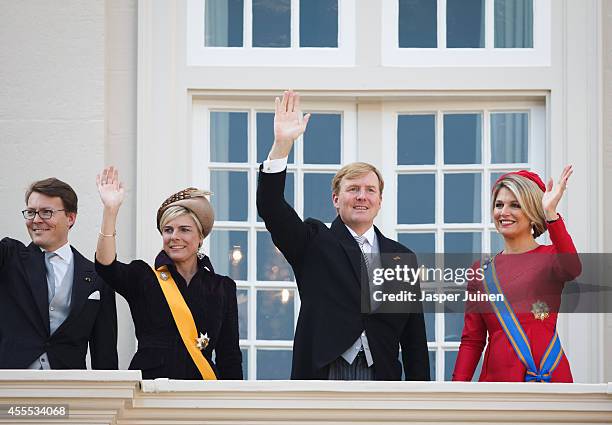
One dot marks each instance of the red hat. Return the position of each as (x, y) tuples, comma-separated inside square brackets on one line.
[(528, 175)]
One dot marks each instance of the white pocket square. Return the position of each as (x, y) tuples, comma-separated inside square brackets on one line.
[(94, 295)]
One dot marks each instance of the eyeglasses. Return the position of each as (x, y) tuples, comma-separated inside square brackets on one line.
[(43, 214)]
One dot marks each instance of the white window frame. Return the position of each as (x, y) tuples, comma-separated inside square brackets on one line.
[(537, 155), (247, 55), (538, 55), (200, 154)]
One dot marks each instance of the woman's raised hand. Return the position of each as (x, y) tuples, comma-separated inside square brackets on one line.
[(554, 192), (110, 188)]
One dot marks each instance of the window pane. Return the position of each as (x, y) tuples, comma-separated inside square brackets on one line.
[(465, 23), (319, 23), (421, 244), (429, 311), (229, 253), (514, 23), (230, 197), (317, 197), (289, 190), (245, 363), (323, 138), (242, 298), (416, 198), (416, 139), (497, 243), (265, 136), (271, 23), (494, 177), (450, 357), (462, 242), (432, 365), (509, 137), (462, 194), (271, 264), (418, 23), (273, 364), (275, 314), (462, 138), (223, 26), (229, 136), (453, 319)]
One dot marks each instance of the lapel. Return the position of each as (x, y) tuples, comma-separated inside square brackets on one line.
[(82, 284), (33, 262), (386, 248), (349, 245)]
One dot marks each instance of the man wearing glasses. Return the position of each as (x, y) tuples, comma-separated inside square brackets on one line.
[(52, 303)]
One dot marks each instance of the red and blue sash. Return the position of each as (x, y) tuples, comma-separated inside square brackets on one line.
[(516, 335)]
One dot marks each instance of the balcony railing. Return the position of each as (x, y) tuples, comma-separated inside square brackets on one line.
[(120, 397)]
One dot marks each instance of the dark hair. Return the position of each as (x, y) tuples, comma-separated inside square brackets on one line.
[(55, 188)]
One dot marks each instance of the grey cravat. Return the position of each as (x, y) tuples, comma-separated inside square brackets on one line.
[(362, 240), (50, 274)]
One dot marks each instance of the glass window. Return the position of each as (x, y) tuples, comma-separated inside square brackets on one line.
[(229, 136), (462, 242), (275, 316), (416, 139), (245, 363), (230, 196), (450, 358), (271, 23), (509, 137), (421, 244), (242, 298), (429, 310), (317, 197), (323, 139), (273, 364), (416, 198), (453, 319), (418, 23), (513, 23), (229, 253), (462, 193), (319, 23), (465, 23), (223, 23), (432, 364), (271, 264), (497, 242), (462, 138)]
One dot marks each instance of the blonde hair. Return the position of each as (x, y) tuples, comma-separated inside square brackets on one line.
[(176, 211), (529, 197), (353, 171)]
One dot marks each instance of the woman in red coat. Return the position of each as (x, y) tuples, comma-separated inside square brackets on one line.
[(530, 278)]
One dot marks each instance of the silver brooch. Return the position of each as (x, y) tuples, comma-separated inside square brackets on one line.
[(163, 275), (202, 341), (540, 310)]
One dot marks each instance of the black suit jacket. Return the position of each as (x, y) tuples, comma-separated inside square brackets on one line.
[(327, 264), (24, 313)]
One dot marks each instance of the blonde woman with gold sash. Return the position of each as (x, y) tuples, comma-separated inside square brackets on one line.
[(182, 309)]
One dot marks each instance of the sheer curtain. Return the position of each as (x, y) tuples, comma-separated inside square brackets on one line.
[(216, 23), (514, 23)]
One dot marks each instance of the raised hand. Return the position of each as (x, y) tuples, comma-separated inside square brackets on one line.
[(553, 193), (289, 123), (110, 188)]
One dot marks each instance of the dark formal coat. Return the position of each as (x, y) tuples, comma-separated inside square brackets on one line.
[(161, 352), (24, 313), (327, 263)]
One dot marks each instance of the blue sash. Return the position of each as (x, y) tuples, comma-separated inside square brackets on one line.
[(516, 335)]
